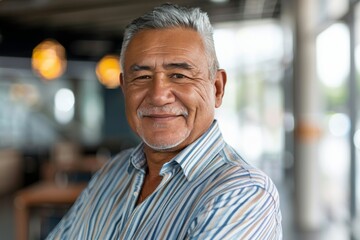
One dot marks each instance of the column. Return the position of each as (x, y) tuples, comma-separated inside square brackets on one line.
[(307, 113)]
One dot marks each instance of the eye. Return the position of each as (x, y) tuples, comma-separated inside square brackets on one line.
[(143, 77), (177, 75)]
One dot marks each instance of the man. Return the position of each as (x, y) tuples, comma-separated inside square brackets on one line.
[(183, 181)]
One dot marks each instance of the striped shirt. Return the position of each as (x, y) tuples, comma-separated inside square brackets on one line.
[(207, 192)]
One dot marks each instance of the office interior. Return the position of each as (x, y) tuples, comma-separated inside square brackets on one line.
[(290, 106)]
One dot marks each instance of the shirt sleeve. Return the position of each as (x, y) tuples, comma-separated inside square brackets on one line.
[(248, 213), (63, 228)]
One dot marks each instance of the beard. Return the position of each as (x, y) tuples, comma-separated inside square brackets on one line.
[(170, 139)]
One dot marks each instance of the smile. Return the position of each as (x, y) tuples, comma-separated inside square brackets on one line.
[(162, 112), (162, 117)]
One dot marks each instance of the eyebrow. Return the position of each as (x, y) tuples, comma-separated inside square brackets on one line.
[(136, 67), (180, 65)]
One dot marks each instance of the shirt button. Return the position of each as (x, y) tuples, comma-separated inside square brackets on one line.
[(136, 194)]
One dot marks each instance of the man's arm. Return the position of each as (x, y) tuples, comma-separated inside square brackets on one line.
[(66, 224), (248, 213)]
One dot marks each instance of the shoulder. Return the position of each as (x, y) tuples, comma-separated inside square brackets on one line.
[(234, 175), (113, 168), (247, 173), (117, 161), (240, 193)]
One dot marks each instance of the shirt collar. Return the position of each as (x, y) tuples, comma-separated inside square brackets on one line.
[(138, 159), (195, 157), (192, 160)]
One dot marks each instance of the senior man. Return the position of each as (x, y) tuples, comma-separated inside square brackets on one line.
[(183, 181)]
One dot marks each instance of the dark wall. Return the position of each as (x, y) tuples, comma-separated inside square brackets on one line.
[(19, 41), (116, 128)]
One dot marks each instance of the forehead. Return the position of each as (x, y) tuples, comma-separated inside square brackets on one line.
[(170, 42), (174, 36)]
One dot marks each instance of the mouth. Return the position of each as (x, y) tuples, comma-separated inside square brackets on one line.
[(162, 115)]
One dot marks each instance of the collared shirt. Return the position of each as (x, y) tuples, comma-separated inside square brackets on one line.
[(207, 192)]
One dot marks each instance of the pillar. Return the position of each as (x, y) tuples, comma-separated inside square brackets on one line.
[(307, 113)]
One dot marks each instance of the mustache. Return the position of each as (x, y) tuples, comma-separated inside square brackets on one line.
[(147, 111)]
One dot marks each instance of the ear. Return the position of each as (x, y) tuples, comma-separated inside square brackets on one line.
[(121, 79), (219, 86)]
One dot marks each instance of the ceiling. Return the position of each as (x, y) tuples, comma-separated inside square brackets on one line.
[(100, 23)]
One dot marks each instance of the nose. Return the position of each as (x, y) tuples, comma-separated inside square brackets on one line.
[(161, 91)]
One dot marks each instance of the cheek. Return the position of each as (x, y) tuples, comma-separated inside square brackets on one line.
[(204, 95), (133, 100), (198, 99)]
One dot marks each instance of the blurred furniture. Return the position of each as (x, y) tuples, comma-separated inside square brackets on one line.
[(38, 195), (10, 170), (77, 171), (63, 178), (67, 164)]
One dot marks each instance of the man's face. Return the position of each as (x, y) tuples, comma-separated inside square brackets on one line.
[(169, 97)]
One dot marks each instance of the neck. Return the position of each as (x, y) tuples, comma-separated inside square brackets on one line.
[(156, 159)]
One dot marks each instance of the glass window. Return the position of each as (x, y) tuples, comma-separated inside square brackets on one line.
[(38, 114), (333, 9), (357, 132), (251, 116), (333, 62)]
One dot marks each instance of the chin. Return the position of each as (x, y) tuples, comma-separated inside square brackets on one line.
[(164, 147), (166, 142), (168, 146)]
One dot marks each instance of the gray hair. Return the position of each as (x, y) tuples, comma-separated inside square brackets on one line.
[(170, 16)]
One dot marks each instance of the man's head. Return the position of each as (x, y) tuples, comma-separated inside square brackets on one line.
[(171, 85), (170, 16)]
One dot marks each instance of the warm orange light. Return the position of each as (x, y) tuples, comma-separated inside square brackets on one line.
[(108, 71), (48, 59)]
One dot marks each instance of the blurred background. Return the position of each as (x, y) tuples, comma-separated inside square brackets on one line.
[(290, 107)]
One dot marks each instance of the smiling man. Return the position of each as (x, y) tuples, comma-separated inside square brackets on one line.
[(183, 181)]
